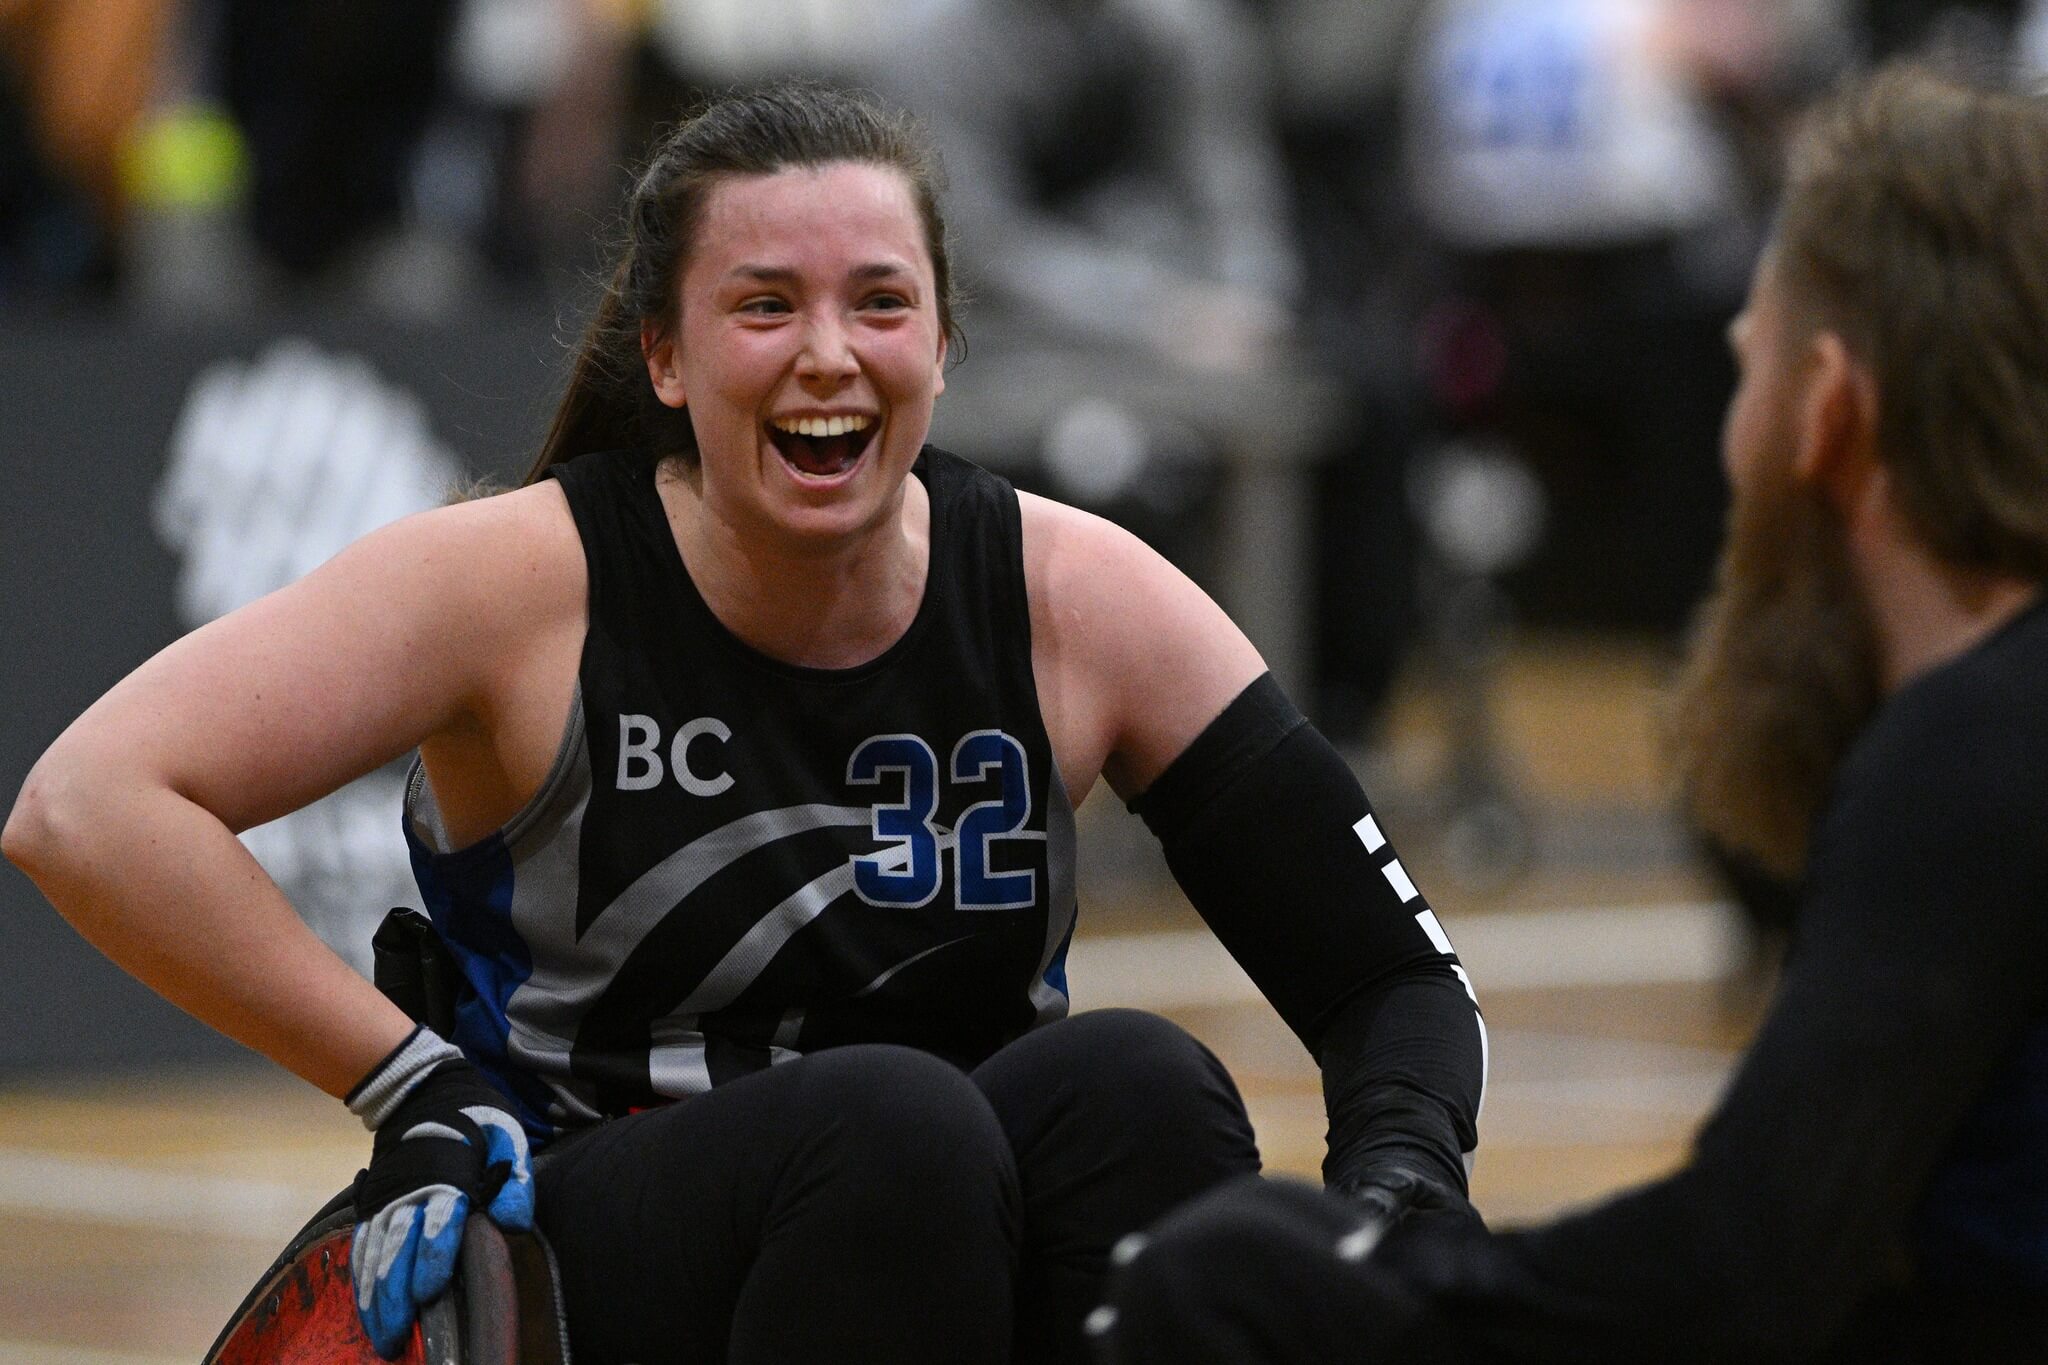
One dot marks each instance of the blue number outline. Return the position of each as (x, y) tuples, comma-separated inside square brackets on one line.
[(876, 879), (976, 888)]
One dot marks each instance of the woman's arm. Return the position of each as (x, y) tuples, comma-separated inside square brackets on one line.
[(1132, 659), (1270, 836), (128, 822)]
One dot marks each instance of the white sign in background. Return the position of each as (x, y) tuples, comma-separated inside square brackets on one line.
[(274, 466)]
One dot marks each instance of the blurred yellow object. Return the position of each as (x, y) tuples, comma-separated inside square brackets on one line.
[(87, 69), (189, 156)]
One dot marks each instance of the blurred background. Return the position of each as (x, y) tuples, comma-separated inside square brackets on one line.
[(1398, 324)]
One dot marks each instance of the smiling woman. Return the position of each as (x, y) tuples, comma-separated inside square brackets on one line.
[(806, 349), (750, 732), (610, 403)]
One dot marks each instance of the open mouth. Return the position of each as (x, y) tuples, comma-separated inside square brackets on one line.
[(821, 447)]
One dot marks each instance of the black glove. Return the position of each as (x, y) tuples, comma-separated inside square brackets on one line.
[(444, 1140), (1387, 1192), (1253, 1273)]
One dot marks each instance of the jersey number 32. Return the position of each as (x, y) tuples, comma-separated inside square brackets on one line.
[(907, 873)]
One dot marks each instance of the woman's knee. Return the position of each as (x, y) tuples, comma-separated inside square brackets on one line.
[(1133, 1042), (1138, 1071), (907, 1123)]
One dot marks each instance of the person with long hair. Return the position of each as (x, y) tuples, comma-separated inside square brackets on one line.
[(750, 730), (1861, 713)]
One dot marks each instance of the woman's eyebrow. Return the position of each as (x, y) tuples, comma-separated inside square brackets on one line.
[(782, 274)]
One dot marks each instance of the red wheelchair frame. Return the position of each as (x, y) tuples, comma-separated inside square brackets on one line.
[(502, 1310)]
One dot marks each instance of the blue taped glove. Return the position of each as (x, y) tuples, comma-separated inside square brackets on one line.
[(445, 1141)]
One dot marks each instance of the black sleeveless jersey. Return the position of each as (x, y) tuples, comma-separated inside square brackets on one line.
[(736, 860)]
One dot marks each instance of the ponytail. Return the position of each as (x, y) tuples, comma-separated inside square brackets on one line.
[(596, 412)]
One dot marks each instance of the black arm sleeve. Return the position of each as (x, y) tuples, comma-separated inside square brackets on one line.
[(1268, 833), (1921, 966)]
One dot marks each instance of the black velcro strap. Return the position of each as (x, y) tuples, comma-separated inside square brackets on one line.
[(414, 1163), (413, 966)]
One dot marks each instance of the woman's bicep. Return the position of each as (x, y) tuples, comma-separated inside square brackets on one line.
[(1182, 660), (1155, 658), (297, 693)]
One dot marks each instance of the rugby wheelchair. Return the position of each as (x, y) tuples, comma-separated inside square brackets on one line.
[(504, 1307)]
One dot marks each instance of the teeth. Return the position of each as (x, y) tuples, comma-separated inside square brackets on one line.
[(820, 426)]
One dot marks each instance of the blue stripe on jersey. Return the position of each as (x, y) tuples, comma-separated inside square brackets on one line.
[(475, 920), (1056, 970)]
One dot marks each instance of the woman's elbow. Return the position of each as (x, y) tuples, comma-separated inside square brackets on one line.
[(26, 837), (55, 815)]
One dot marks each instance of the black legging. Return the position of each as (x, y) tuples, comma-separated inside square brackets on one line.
[(874, 1203)]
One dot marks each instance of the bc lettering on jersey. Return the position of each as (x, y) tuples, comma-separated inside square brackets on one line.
[(640, 761), (908, 870)]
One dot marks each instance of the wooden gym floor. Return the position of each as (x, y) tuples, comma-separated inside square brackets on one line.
[(136, 1211)]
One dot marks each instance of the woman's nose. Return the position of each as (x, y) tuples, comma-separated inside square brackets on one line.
[(827, 353)]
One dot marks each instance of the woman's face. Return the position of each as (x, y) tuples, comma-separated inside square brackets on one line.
[(807, 348)]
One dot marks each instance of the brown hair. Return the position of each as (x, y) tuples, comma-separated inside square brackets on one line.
[(610, 402), (1915, 222)]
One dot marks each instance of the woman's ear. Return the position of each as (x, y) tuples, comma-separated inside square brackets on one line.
[(664, 371)]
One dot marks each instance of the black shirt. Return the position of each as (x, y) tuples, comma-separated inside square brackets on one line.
[(1874, 1185), (738, 860)]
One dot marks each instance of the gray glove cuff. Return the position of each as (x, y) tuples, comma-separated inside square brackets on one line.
[(387, 1085)]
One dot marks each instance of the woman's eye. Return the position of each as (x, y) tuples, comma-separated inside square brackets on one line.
[(888, 302), (764, 306)]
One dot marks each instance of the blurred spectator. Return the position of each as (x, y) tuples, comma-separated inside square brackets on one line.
[(333, 98), (1591, 175), (527, 149), (695, 47), (1113, 175), (725, 42), (1120, 208), (1970, 33), (1337, 117), (1574, 161), (1561, 124), (74, 78), (395, 151)]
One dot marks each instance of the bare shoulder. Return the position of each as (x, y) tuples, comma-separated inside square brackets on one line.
[(509, 555), (1095, 584), (529, 526), (1125, 645), (429, 626), (489, 596)]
